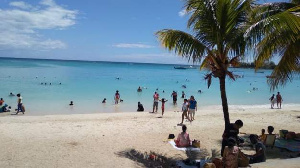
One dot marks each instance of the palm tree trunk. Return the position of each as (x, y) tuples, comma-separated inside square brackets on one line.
[(224, 100)]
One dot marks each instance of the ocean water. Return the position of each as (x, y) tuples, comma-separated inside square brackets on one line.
[(87, 83)]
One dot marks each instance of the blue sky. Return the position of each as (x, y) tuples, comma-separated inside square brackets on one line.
[(101, 30)]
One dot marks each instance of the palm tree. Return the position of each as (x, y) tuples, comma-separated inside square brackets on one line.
[(217, 28), (275, 31)]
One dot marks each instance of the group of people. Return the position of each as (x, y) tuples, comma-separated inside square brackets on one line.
[(6, 108), (230, 142), (278, 100)]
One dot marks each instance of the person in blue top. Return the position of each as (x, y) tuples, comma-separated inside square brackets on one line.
[(192, 108)]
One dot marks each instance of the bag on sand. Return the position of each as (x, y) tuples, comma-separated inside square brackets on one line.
[(218, 162), (209, 165), (196, 143), (243, 160), (171, 136)]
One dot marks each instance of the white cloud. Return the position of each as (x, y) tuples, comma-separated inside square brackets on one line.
[(182, 13), (132, 45), (19, 26), (20, 4)]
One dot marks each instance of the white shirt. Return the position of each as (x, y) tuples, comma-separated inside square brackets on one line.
[(185, 106), (20, 99)]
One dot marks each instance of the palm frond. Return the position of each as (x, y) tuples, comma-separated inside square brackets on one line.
[(182, 43)]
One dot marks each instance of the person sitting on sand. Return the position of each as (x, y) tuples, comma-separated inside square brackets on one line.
[(260, 150), (139, 89), (231, 130), (71, 103), (263, 136), (1, 101), (270, 130), (231, 154), (104, 100), (140, 107), (163, 101), (183, 139)]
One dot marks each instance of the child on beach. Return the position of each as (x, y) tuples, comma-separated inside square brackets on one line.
[(263, 136), (163, 101)]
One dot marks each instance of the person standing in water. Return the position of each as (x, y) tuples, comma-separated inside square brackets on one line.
[(272, 100), (117, 97), (20, 102), (279, 100), (174, 95)]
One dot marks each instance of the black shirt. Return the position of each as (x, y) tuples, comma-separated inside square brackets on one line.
[(230, 131)]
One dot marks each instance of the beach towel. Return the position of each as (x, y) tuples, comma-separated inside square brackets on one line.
[(172, 142), (290, 145)]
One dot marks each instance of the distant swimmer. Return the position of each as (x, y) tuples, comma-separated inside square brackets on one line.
[(156, 89), (139, 89), (104, 100), (60, 83), (36, 77), (121, 100), (11, 94), (184, 86), (117, 97), (182, 94), (199, 91), (118, 78), (42, 83), (50, 83), (163, 91), (71, 103)]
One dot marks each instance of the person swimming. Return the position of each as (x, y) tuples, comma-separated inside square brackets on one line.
[(184, 86), (104, 100), (71, 103), (139, 89), (11, 94)]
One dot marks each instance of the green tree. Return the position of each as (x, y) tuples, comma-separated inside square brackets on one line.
[(275, 31), (216, 38)]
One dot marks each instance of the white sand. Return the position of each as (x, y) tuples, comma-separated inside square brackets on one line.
[(94, 140)]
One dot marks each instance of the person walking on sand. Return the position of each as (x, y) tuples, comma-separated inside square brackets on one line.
[(192, 108), (279, 99), (20, 102), (272, 100), (174, 95), (117, 97), (163, 101), (184, 108), (155, 101)]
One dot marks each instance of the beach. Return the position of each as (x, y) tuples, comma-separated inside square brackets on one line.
[(102, 140)]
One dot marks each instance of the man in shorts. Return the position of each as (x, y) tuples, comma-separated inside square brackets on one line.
[(192, 108), (155, 101)]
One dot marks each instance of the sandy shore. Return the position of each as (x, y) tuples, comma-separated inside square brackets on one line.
[(101, 140)]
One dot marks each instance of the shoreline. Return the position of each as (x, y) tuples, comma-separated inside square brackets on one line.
[(94, 140), (211, 108)]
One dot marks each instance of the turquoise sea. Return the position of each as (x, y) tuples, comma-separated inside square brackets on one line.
[(86, 83)]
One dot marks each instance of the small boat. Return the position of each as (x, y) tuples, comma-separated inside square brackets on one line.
[(180, 67)]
